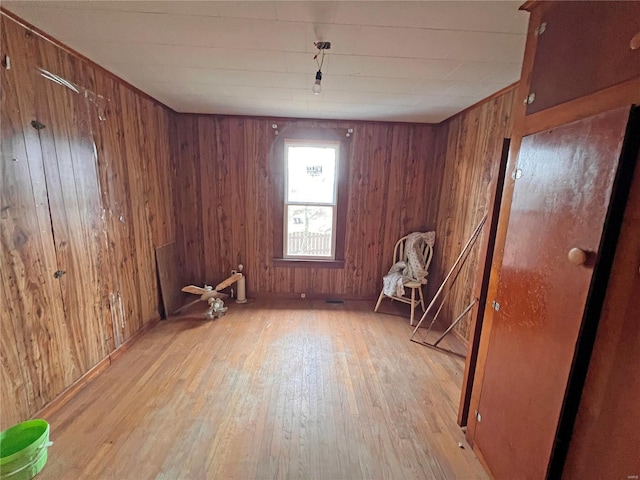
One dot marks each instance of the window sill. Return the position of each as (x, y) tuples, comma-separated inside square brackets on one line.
[(297, 263)]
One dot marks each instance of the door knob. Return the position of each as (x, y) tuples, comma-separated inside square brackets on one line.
[(634, 44), (577, 256)]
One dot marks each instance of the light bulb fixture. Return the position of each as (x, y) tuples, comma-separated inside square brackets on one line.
[(317, 87)]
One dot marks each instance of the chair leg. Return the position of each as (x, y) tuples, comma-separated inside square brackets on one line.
[(413, 305), (421, 298), (379, 300)]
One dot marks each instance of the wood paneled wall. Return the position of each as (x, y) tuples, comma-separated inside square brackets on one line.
[(224, 175), (115, 174), (89, 194), (469, 146)]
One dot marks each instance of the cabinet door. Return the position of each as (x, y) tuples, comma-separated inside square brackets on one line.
[(70, 164), (559, 203), (30, 302), (584, 47)]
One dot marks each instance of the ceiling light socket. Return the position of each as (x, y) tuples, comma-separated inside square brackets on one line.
[(323, 45), (317, 87)]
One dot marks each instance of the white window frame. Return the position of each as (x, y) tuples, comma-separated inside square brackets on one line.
[(287, 203)]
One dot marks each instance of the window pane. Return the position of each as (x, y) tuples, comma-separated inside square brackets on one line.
[(311, 172), (309, 231)]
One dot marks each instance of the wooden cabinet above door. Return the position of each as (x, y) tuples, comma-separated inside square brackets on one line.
[(581, 48)]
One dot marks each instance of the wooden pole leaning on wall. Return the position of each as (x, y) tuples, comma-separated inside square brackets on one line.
[(458, 263)]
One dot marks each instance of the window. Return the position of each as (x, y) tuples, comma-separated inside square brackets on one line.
[(310, 199)]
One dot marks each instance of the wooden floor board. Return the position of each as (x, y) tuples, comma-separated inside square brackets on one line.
[(274, 389)]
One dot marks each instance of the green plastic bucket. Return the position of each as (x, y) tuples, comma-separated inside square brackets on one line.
[(23, 450)]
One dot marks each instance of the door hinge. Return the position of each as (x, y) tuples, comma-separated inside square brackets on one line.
[(541, 29), (37, 125), (530, 99), (496, 306), (517, 173), (478, 416)]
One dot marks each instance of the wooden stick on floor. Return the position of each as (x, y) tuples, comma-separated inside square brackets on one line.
[(455, 322), (444, 298), (463, 253)]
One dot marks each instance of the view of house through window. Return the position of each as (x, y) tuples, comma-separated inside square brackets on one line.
[(310, 199)]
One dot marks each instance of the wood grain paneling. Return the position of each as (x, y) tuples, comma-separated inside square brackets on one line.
[(153, 176), (226, 171), (31, 305), (469, 147), (90, 194), (75, 208)]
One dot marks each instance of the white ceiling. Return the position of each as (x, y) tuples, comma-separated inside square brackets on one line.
[(397, 61)]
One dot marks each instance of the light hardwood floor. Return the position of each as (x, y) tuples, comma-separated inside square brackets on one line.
[(286, 389)]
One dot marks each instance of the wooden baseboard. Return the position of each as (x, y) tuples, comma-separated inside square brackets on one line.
[(131, 340), (311, 296), (73, 389)]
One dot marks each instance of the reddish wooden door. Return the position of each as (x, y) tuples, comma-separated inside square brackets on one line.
[(560, 202)]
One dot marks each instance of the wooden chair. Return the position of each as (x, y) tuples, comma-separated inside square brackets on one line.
[(400, 255)]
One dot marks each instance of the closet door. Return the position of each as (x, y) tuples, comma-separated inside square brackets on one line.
[(560, 201), (70, 164), (31, 312)]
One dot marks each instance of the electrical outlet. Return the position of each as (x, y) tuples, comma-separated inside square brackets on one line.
[(303, 295)]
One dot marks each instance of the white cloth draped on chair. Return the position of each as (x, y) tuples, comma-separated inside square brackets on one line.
[(411, 258), (414, 269)]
